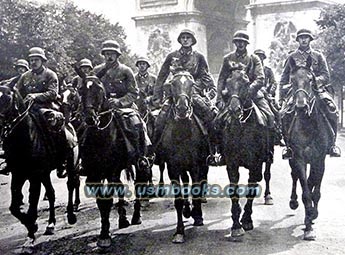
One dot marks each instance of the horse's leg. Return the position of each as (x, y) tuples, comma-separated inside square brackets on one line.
[(301, 168), (140, 193), (50, 192), (161, 190), (293, 197), (253, 191), (73, 183), (186, 205), (104, 206), (267, 176), (234, 176), (203, 182), (123, 222), (314, 183), (197, 193), (17, 183)]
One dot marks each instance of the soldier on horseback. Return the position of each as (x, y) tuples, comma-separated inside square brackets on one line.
[(240, 58), (122, 93), (269, 91), (21, 66), (83, 69), (187, 59), (323, 88), (39, 88), (146, 82)]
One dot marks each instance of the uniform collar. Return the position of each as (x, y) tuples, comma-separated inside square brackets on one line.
[(241, 54), (143, 75), (186, 51), (307, 50), (39, 71)]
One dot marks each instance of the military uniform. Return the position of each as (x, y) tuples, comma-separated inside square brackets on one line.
[(256, 77), (122, 92), (13, 81), (185, 59), (322, 77)]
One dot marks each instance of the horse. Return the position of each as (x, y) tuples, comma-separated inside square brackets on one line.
[(244, 144), (104, 155), (29, 159), (308, 133), (184, 149), (70, 103)]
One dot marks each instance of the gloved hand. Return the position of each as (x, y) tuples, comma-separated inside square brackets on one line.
[(114, 102), (29, 98)]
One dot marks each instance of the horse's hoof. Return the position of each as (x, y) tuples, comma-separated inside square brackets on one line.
[(309, 235), (268, 200), (186, 211), (50, 230), (104, 243), (28, 246), (198, 222), (145, 203), (161, 190), (237, 232), (123, 223), (247, 226), (136, 221), (293, 204), (72, 219), (178, 238)]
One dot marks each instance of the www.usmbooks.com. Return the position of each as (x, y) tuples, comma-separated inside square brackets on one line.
[(170, 191)]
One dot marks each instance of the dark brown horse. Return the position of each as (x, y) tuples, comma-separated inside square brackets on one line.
[(245, 144), (30, 158), (104, 155), (308, 133), (184, 149)]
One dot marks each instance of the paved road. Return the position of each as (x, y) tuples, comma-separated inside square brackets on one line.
[(278, 229)]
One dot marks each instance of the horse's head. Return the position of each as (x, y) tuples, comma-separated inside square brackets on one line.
[(236, 91), (70, 98), (181, 90), (6, 100), (302, 81), (93, 98)]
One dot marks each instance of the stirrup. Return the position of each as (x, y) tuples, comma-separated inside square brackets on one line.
[(215, 160), (335, 151), (287, 153), (143, 162)]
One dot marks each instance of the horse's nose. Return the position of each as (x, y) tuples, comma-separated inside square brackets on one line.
[(301, 102)]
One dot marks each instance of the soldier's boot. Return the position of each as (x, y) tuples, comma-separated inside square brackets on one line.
[(287, 153), (5, 170), (334, 151)]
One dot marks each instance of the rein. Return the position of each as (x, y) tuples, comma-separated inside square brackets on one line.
[(8, 129)]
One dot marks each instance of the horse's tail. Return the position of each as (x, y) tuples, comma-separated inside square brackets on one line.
[(129, 173)]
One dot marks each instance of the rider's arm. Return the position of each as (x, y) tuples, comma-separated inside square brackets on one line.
[(204, 77), (132, 90), (162, 76), (259, 75), (284, 80), (52, 89), (223, 75), (272, 82), (323, 77)]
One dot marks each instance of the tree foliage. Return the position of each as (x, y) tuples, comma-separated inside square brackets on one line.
[(66, 32), (332, 38)]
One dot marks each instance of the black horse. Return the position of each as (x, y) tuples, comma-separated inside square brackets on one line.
[(308, 132), (30, 158), (104, 155), (245, 144), (184, 148)]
